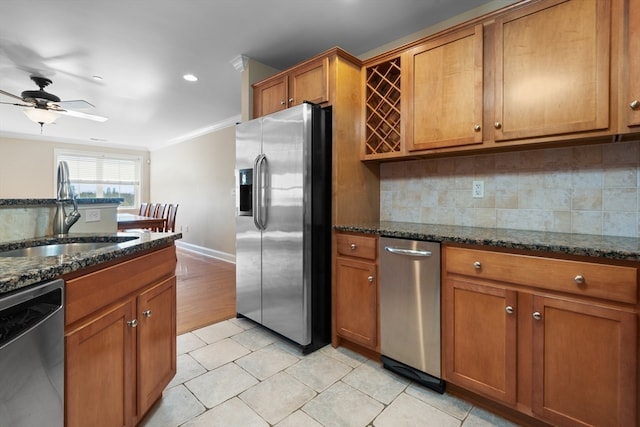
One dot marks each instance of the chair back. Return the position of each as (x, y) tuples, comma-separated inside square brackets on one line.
[(161, 212), (152, 210), (143, 209), (171, 218)]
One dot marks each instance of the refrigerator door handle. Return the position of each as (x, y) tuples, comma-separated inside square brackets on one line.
[(259, 203)]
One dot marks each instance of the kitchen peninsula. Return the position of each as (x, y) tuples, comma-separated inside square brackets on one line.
[(119, 310)]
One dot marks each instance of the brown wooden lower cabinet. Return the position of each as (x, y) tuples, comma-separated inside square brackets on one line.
[(480, 339), (99, 370), (357, 302), (584, 363), (120, 356), (355, 294), (556, 357)]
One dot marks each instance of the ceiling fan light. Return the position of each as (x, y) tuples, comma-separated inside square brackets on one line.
[(40, 115)]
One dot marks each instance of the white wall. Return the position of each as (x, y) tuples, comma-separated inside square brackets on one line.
[(27, 167), (199, 175)]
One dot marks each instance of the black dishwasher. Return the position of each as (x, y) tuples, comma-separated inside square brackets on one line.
[(32, 356)]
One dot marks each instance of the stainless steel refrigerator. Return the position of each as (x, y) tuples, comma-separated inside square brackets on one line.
[(283, 223)]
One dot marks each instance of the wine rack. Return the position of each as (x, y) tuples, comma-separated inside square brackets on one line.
[(382, 109)]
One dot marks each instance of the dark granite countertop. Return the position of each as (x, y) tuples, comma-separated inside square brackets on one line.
[(17, 272), (46, 202), (610, 247)]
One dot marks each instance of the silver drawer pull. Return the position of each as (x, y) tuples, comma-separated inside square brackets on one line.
[(579, 279), (477, 265), (353, 246), (410, 252)]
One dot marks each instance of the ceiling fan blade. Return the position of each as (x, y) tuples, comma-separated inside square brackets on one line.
[(80, 115), (16, 104), (11, 95), (76, 104)]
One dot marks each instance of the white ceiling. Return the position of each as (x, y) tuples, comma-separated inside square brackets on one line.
[(141, 49)]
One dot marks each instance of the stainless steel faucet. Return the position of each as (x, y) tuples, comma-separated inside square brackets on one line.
[(61, 221)]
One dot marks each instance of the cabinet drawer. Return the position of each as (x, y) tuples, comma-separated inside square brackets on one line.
[(611, 282), (87, 294), (357, 246)]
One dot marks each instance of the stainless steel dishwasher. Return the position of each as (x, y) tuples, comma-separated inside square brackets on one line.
[(410, 309), (32, 356)]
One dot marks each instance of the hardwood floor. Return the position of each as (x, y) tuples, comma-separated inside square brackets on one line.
[(206, 291)]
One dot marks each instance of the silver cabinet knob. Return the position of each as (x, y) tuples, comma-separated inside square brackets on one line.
[(146, 313), (635, 104), (477, 128), (353, 246), (537, 315), (497, 125), (291, 100), (508, 309), (579, 279), (477, 265), (282, 103), (133, 323), (370, 279)]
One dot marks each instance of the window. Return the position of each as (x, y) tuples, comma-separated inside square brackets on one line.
[(103, 175)]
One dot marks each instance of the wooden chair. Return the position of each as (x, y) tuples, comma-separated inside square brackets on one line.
[(143, 209), (161, 212), (152, 209), (170, 224)]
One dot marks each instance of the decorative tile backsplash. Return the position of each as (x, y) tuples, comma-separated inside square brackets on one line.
[(592, 189)]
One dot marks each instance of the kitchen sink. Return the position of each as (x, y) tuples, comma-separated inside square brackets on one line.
[(56, 249)]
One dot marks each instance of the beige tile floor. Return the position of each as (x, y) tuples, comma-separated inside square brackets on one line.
[(234, 374)]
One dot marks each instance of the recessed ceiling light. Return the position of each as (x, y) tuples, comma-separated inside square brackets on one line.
[(190, 78)]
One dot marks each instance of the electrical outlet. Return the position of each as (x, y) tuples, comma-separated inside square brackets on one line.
[(92, 215), (478, 189)]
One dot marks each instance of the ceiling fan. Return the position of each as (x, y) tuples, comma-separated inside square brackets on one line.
[(44, 108)]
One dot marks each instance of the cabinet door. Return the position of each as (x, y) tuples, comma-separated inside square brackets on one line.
[(270, 96), (445, 91), (309, 82), (357, 302), (633, 56), (156, 342), (552, 69), (99, 379), (584, 363), (480, 338)]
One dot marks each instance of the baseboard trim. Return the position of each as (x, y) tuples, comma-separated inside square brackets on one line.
[(222, 256)]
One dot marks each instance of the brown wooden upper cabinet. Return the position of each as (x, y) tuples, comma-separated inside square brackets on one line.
[(633, 53), (444, 91), (542, 71), (305, 82), (552, 69)]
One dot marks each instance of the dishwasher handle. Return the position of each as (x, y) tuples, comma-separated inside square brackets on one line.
[(408, 252)]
